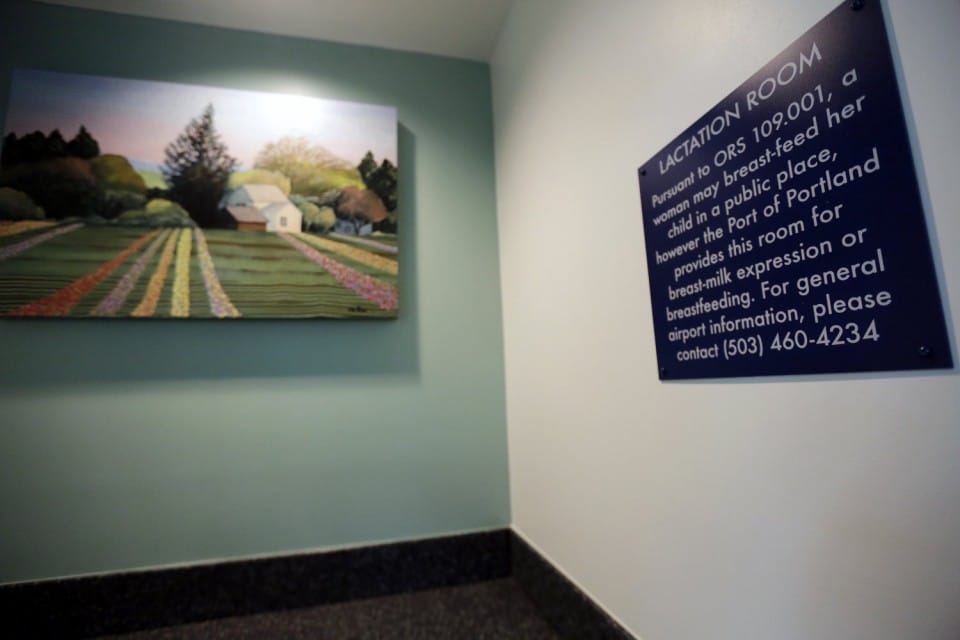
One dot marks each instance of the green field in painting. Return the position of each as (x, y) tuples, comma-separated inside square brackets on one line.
[(262, 275), (389, 240), (153, 179)]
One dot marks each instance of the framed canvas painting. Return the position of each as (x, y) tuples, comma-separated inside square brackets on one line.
[(134, 199)]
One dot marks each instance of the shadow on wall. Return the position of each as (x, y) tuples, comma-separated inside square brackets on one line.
[(38, 352)]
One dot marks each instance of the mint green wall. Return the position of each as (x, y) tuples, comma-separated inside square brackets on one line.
[(130, 444)]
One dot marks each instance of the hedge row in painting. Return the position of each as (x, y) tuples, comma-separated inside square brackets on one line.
[(125, 198)]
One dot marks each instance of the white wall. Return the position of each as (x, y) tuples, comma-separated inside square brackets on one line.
[(802, 508)]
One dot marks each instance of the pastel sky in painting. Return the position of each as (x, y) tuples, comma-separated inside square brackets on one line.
[(138, 119)]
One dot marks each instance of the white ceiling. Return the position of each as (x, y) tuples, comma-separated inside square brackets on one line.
[(457, 28)]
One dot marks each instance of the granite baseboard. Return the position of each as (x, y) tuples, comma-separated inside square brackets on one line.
[(139, 600), (569, 611)]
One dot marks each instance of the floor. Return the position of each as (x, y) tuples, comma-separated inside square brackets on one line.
[(492, 610)]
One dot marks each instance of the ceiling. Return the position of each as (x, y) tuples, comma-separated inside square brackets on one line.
[(456, 28)]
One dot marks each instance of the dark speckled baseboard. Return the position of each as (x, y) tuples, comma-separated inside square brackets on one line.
[(124, 602), (139, 600), (566, 608)]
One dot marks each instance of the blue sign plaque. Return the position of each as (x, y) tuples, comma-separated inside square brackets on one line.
[(784, 229)]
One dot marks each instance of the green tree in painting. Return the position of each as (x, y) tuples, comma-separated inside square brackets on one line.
[(63, 187), (382, 179), (33, 147), (367, 166), (197, 168), (55, 146), (37, 147), (55, 174), (83, 145), (16, 205), (311, 167), (11, 151), (260, 176)]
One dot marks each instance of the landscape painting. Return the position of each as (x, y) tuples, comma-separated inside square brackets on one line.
[(134, 199)]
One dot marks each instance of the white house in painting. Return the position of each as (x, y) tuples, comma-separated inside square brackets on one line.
[(268, 201)]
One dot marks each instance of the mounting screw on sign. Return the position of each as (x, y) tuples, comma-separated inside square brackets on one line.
[(856, 5), (925, 351)]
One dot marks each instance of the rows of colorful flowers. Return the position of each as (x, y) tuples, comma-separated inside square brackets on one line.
[(148, 305), (64, 300), (9, 228), (382, 294), (176, 248), (114, 300), (180, 307), (19, 247), (358, 255), (220, 304)]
